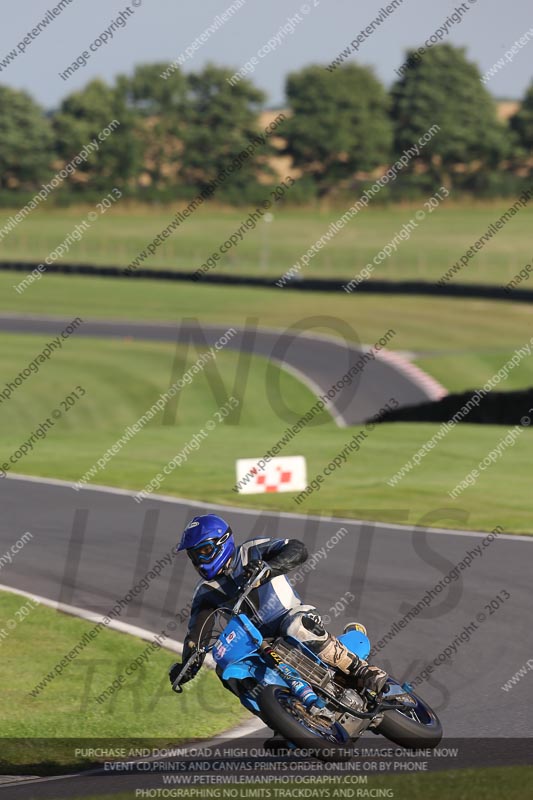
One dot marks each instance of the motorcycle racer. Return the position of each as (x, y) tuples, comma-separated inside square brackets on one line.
[(225, 567)]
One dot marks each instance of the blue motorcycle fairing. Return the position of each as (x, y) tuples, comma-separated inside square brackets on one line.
[(239, 639), (252, 668), (236, 655), (356, 642)]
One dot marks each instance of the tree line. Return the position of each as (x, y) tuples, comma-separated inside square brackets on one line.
[(178, 131)]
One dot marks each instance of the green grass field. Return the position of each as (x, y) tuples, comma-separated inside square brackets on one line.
[(123, 378), (144, 708), (460, 371), (459, 342), (272, 248), (496, 783), (426, 325)]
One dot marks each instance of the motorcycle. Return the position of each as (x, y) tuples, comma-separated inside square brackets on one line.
[(303, 699)]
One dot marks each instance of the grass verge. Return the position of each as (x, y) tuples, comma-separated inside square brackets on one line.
[(144, 708), (272, 248), (511, 783)]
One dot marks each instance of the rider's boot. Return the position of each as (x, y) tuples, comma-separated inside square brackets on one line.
[(366, 676)]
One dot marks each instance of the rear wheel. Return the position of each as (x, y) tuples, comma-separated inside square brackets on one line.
[(288, 716), (415, 728)]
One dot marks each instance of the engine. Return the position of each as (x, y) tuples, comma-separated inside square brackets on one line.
[(352, 725)]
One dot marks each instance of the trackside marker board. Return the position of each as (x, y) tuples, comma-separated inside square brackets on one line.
[(288, 474)]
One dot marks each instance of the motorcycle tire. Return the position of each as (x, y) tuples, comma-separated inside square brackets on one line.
[(416, 729), (285, 714)]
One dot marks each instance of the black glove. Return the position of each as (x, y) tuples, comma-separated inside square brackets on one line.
[(254, 566), (175, 670)]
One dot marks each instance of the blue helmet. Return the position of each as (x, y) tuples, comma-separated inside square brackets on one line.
[(209, 543)]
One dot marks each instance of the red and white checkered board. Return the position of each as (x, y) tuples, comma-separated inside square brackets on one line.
[(255, 476)]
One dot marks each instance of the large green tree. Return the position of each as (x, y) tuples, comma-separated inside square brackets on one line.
[(445, 89), (339, 123), (160, 108), (221, 122), (26, 141), (522, 122), (81, 118)]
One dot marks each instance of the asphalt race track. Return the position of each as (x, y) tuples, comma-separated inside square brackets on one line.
[(318, 360), (91, 546)]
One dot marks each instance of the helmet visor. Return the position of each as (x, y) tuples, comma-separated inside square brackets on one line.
[(203, 553)]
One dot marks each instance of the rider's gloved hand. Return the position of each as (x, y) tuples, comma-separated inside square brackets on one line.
[(175, 670), (254, 566)]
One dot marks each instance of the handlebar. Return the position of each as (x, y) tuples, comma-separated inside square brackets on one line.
[(176, 686), (248, 588)]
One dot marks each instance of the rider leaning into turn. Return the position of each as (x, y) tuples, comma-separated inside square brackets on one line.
[(225, 568)]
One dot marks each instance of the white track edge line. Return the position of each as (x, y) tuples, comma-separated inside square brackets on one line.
[(187, 501)]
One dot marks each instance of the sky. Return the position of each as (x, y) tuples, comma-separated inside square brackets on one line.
[(161, 30)]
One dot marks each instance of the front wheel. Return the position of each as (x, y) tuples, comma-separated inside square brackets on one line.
[(288, 716), (415, 728)]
